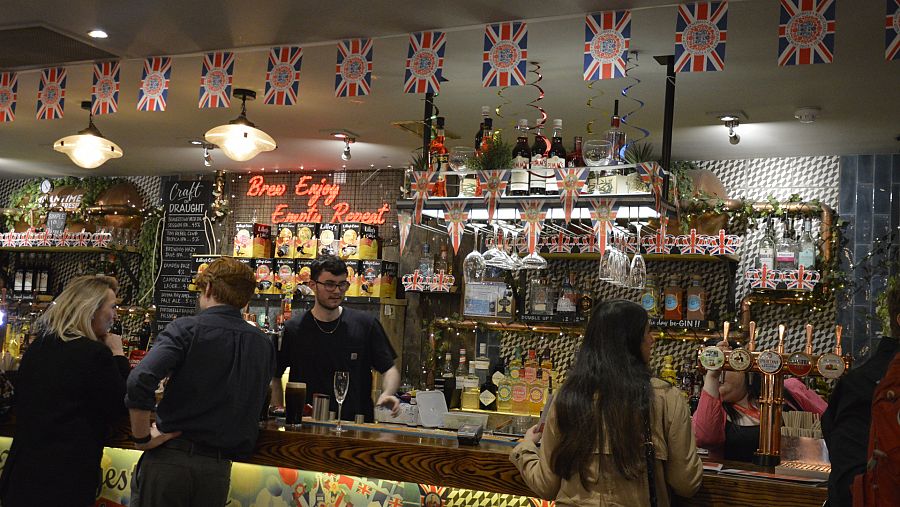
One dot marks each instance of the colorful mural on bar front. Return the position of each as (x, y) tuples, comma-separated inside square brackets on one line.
[(259, 486), (298, 198)]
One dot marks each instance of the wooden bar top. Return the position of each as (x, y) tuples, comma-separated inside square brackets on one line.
[(435, 457)]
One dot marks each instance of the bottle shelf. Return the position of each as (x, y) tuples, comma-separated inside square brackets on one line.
[(349, 300), (70, 249), (647, 257)]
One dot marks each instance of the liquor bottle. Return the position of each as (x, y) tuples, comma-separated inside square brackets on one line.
[(674, 301), (537, 184), (519, 395), (487, 398), (575, 158), (785, 254), (19, 277), (807, 247), (515, 364), (650, 297), (28, 281), (540, 297), (443, 261), (536, 392), (487, 135), (667, 372), (470, 391), (504, 390), (518, 180), (616, 137), (766, 256), (530, 367), (438, 159), (696, 299), (461, 374), (485, 114), (482, 363), (567, 304), (426, 261), (43, 276), (556, 158), (686, 376), (446, 381), (146, 332), (585, 305), (547, 364)]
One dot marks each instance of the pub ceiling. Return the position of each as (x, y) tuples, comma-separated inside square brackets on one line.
[(857, 93)]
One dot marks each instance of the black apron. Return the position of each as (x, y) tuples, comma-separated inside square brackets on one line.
[(741, 442)]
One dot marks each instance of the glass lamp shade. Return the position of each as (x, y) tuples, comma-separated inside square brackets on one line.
[(88, 150), (240, 142)]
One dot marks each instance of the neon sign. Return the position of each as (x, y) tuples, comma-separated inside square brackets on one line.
[(315, 192)]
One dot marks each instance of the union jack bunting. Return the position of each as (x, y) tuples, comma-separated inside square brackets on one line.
[(215, 79), (607, 37), (105, 90), (283, 75), (383, 499), (570, 181), (505, 54), (700, 34), (456, 218), (539, 502), (806, 32), (602, 214), (404, 219), (661, 242), (154, 88), (51, 93), (763, 278), (892, 30), (588, 243), (723, 244), (653, 175), (9, 85), (801, 279), (364, 489), (420, 186), (494, 183), (433, 495), (692, 244), (353, 72), (441, 282), (561, 243), (424, 62), (534, 219)]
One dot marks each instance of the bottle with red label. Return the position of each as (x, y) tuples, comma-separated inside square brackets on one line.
[(438, 159), (556, 158)]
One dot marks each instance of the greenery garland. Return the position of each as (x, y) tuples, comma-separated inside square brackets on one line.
[(26, 200)]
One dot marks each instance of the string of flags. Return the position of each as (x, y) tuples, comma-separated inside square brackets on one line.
[(806, 34)]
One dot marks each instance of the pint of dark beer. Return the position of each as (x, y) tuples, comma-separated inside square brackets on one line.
[(294, 401)]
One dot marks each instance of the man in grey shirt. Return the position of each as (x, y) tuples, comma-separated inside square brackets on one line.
[(219, 369)]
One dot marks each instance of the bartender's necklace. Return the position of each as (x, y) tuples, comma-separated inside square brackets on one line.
[(337, 323)]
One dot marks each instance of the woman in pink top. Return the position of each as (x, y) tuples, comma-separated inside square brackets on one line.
[(726, 421)]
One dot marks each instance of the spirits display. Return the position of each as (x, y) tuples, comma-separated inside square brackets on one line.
[(485, 115), (487, 398), (766, 257), (786, 251), (616, 138), (556, 158), (504, 391), (438, 159), (667, 372), (518, 180), (567, 304), (541, 301), (487, 135), (537, 184), (482, 363), (674, 301), (650, 297), (696, 299), (807, 247)]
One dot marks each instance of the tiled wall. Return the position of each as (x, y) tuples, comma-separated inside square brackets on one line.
[(870, 202)]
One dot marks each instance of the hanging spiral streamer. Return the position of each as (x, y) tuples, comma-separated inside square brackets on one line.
[(536, 69), (640, 103), (590, 104)]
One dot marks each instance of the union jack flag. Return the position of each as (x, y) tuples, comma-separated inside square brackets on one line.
[(414, 281), (494, 183), (382, 499), (723, 244), (51, 93), (588, 244), (456, 218), (533, 218), (505, 54), (101, 239), (353, 72), (105, 90), (607, 37), (539, 502), (692, 244), (154, 88), (892, 30), (570, 181), (9, 85), (48, 238), (424, 62), (801, 279), (700, 34), (763, 278), (561, 243), (283, 75), (364, 489), (653, 175), (420, 187), (441, 282), (215, 79), (426, 491), (601, 216), (806, 32), (659, 243), (394, 501)]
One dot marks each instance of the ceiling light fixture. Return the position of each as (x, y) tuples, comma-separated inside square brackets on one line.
[(97, 34), (345, 155), (733, 136), (88, 148), (807, 114), (240, 140), (207, 160)]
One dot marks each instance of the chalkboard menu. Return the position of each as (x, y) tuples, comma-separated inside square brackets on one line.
[(185, 233)]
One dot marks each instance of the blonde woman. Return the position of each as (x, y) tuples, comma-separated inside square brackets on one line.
[(70, 388)]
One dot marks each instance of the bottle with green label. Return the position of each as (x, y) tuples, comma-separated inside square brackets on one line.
[(504, 390)]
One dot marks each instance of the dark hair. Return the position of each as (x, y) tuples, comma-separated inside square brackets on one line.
[(893, 304), (231, 281), (330, 263), (606, 395)]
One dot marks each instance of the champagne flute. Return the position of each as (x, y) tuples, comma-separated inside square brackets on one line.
[(638, 267), (341, 384)]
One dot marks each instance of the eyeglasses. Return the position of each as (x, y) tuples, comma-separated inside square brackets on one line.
[(330, 286)]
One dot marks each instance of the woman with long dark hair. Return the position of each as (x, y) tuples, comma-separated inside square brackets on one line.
[(726, 422), (70, 388), (594, 444)]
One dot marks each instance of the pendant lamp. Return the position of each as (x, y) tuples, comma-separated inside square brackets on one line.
[(240, 140), (88, 148)]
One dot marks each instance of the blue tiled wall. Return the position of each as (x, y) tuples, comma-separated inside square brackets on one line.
[(870, 202)]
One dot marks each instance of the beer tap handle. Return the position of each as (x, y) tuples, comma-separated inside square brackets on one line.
[(809, 337), (752, 332), (838, 330), (781, 338), (725, 328)]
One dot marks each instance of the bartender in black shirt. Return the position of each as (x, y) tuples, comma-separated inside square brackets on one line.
[(331, 338)]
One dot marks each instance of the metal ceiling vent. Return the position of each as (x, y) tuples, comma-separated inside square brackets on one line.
[(38, 46)]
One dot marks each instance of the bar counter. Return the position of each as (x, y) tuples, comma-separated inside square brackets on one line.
[(435, 457)]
